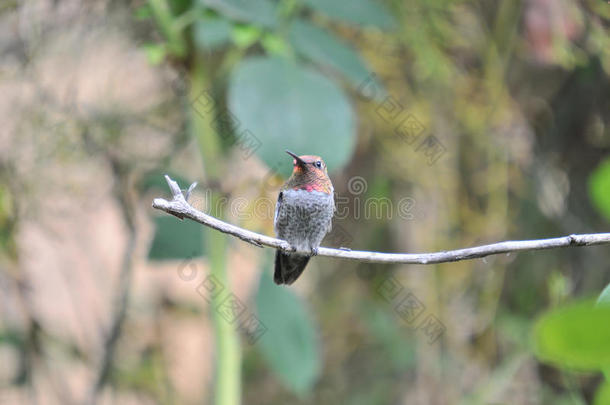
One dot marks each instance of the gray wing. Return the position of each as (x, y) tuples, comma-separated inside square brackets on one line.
[(330, 220), (277, 211)]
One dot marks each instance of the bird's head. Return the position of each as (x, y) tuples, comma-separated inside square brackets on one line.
[(309, 173)]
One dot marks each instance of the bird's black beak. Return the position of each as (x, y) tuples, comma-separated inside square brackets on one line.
[(300, 162)]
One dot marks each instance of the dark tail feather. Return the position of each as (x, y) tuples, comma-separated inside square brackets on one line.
[(288, 267)]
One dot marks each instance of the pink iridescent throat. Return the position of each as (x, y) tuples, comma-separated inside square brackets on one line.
[(312, 187)]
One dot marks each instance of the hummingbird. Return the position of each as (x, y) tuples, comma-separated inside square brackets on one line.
[(303, 215)]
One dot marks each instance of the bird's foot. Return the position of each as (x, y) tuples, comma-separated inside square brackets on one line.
[(314, 251)]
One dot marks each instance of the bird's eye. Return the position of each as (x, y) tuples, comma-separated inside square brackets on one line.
[(318, 164)]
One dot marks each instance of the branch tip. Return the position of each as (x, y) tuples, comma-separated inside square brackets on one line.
[(188, 192), (159, 203), (173, 186)]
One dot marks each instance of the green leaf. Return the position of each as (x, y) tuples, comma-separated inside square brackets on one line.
[(211, 33), (599, 188), (143, 12), (327, 50), (260, 12), (12, 337), (275, 45), (165, 20), (400, 349), (602, 397), (245, 35), (286, 106), (175, 239), (575, 336), (604, 297), (289, 344), (362, 12), (155, 53)]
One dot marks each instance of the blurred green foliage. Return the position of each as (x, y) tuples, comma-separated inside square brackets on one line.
[(165, 245), (286, 75), (576, 336), (283, 104), (290, 107), (599, 188), (289, 343), (516, 93), (325, 49)]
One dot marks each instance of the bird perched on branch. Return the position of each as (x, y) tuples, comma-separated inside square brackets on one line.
[(303, 215)]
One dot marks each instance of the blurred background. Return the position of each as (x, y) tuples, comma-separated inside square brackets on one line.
[(444, 124)]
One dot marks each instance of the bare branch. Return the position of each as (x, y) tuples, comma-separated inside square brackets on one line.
[(124, 286), (182, 209)]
